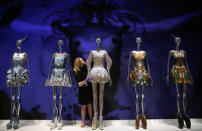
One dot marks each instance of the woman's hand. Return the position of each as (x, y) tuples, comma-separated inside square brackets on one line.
[(81, 83)]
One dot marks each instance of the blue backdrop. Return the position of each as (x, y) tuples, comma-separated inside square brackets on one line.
[(117, 22)]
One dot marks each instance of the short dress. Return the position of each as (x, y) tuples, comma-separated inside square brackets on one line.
[(17, 75), (179, 71), (98, 73), (85, 92), (139, 76), (59, 76)]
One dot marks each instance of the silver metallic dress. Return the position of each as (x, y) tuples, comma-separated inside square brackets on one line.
[(98, 72), (59, 76), (17, 75)]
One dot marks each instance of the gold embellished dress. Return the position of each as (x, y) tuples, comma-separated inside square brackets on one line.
[(139, 75), (179, 71)]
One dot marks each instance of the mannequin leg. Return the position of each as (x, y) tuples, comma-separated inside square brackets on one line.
[(137, 108), (185, 116), (143, 100), (179, 116), (101, 102), (18, 103), (60, 109), (178, 99), (185, 99), (54, 120), (9, 125), (144, 121), (16, 122), (94, 123)]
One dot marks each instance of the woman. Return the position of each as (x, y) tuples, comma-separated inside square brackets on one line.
[(85, 92)]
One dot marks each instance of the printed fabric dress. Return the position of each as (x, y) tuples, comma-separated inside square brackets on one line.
[(98, 73), (17, 75), (59, 76), (139, 75)]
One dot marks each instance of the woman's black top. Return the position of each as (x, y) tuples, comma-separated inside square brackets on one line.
[(85, 92)]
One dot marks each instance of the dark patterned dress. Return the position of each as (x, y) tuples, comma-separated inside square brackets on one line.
[(179, 71)]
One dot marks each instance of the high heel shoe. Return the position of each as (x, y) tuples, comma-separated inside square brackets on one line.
[(180, 121), (144, 122), (137, 122), (94, 123), (16, 123), (9, 125), (187, 121), (59, 125), (101, 126), (53, 123)]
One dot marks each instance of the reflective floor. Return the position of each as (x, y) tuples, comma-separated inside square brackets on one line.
[(109, 125)]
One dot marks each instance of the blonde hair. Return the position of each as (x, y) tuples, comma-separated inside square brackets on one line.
[(76, 65)]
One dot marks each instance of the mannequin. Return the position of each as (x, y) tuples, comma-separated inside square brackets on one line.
[(181, 76), (100, 76), (60, 78), (140, 78), (17, 77)]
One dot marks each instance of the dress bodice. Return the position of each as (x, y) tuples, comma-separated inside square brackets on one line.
[(19, 59), (98, 72), (178, 57), (139, 58), (60, 60), (98, 58)]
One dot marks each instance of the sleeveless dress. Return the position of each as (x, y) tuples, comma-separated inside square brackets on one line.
[(59, 76), (17, 75), (139, 75), (179, 71)]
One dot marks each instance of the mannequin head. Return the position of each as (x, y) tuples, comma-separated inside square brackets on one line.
[(98, 42), (60, 43), (138, 41), (19, 43), (178, 42)]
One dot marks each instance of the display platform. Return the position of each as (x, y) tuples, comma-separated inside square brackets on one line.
[(110, 125)]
